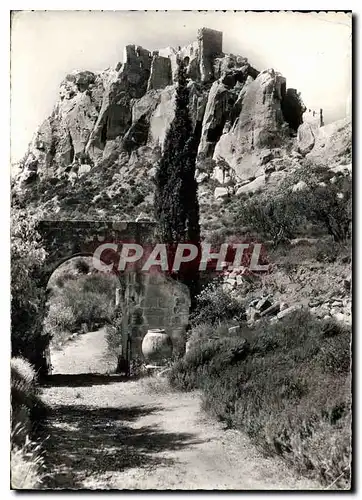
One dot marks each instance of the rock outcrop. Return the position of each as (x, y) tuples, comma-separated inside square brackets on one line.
[(161, 74), (214, 117), (260, 125), (244, 116), (333, 142)]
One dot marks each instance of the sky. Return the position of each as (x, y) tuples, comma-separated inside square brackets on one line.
[(311, 50)]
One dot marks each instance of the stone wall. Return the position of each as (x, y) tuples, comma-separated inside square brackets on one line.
[(137, 55), (160, 75), (313, 117), (158, 302)]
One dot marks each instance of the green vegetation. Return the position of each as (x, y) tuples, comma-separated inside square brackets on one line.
[(26, 408), (59, 198), (27, 291), (79, 299), (284, 214), (214, 305), (286, 384)]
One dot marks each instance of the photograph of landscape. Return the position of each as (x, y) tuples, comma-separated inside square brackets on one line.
[(181, 250)]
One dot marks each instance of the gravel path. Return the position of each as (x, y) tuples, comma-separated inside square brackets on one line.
[(85, 354), (107, 433)]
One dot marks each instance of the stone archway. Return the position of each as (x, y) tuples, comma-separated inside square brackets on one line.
[(148, 299), (80, 306)]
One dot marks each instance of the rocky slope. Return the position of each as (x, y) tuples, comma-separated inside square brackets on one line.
[(96, 155)]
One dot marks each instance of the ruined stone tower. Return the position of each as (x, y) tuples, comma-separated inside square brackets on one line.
[(210, 46)]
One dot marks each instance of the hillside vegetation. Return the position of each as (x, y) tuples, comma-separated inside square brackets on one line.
[(286, 384)]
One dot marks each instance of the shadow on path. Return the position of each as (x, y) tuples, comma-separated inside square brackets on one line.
[(84, 442), (82, 380)]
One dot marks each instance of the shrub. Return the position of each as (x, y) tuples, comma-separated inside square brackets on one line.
[(288, 388), (281, 215), (88, 299), (60, 318), (331, 206), (26, 408), (26, 405), (275, 217), (218, 237), (206, 359), (213, 305), (26, 464), (114, 332)]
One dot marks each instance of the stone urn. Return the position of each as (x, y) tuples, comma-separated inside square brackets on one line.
[(156, 346)]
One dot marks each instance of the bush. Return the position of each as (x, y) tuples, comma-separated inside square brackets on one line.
[(288, 388), (275, 217), (206, 359), (214, 305), (331, 206), (26, 405), (27, 291), (281, 215), (324, 203), (26, 409), (114, 332), (88, 299), (202, 332)]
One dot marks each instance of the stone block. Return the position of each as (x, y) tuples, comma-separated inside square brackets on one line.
[(221, 193), (287, 312), (252, 187)]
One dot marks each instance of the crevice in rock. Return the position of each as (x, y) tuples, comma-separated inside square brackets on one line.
[(71, 151), (213, 134), (137, 135), (103, 135), (292, 108)]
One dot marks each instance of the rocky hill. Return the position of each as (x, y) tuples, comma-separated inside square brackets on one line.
[(96, 155)]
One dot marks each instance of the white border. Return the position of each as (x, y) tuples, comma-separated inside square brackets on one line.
[(5, 169)]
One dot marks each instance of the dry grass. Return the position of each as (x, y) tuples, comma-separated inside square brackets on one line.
[(23, 369), (26, 464), (26, 461)]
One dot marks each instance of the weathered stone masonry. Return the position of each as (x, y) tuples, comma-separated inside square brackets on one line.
[(148, 300)]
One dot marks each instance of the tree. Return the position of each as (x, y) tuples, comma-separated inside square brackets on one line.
[(176, 202)]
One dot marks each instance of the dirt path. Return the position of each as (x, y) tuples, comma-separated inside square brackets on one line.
[(84, 354), (112, 434)]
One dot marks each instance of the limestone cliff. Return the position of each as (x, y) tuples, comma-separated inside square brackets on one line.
[(109, 127)]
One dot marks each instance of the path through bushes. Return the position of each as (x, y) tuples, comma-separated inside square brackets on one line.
[(108, 433)]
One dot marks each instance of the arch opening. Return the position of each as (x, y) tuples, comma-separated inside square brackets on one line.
[(80, 309)]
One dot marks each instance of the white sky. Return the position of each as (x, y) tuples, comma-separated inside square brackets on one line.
[(313, 51)]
